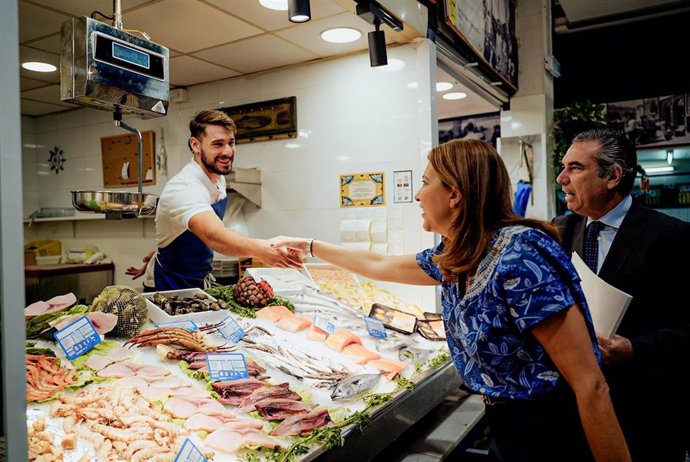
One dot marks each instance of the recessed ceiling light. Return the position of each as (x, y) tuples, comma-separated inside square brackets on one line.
[(39, 67), (443, 86), (454, 95), (274, 4), (341, 35)]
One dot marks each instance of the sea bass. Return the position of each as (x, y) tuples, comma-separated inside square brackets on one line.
[(353, 385)]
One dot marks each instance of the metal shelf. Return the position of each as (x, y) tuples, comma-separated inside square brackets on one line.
[(78, 216)]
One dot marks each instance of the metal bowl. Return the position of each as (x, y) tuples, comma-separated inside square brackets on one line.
[(115, 202)]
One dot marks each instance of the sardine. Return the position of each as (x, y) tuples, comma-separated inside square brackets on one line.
[(353, 385)]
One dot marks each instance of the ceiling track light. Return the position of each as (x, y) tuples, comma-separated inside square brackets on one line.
[(377, 46), (299, 10), (372, 12)]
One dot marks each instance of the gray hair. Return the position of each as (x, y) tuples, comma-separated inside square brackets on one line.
[(614, 149)]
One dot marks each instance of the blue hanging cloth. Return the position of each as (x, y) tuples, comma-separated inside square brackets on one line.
[(521, 197)]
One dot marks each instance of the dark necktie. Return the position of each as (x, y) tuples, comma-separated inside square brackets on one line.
[(591, 244)]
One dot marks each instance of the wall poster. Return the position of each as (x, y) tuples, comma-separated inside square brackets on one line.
[(402, 186), (362, 190)]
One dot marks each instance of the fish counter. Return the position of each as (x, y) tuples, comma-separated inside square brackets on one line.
[(173, 389)]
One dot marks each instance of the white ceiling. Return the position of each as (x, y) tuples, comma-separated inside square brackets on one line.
[(208, 40)]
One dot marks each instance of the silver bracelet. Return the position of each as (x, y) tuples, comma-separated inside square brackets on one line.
[(310, 247)]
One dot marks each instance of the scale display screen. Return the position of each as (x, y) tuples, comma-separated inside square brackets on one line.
[(119, 53), (131, 55)]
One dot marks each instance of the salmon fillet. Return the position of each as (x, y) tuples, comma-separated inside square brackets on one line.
[(340, 338)]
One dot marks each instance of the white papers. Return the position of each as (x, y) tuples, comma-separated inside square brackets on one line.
[(606, 303), (355, 231), (357, 245)]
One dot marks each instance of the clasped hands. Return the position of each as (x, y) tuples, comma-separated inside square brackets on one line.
[(294, 245), (288, 252)]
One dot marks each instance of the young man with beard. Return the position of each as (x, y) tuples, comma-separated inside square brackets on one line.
[(189, 224)]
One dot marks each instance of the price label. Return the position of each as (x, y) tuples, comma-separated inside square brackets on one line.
[(189, 453), (324, 324), (375, 327), (231, 330), (189, 325), (227, 366), (77, 338)]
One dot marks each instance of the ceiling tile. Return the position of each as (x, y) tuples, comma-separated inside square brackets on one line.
[(50, 44), (188, 25), (308, 35), (50, 94), (37, 22), (36, 108), (185, 70), (29, 84), (85, 8), (267, 19), (268, 52)]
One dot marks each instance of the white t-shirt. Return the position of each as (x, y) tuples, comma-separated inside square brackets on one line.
[(186, 194)]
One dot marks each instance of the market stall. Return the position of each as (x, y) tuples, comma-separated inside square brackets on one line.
[(314, 380)]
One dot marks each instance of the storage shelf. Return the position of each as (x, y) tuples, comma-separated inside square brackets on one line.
[(78, 216)]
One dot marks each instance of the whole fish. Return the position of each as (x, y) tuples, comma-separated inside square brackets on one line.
[(408, 353), (353, 385)]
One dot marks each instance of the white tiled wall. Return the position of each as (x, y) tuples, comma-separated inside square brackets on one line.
[(29, 166), (351, 118)]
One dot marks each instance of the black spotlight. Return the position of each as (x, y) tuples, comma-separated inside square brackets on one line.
[(377, 46), (372, 12), (299, 10)]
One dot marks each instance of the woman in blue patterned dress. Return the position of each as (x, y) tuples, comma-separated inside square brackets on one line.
[(517, 322)]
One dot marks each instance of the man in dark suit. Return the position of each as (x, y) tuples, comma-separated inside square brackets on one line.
[(639, 251)]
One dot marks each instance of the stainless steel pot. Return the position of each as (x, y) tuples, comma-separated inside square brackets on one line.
[(120, 203)]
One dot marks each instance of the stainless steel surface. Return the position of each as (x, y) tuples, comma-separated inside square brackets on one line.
[(391, 421), (137, 81), (449, 431), (129, 204)]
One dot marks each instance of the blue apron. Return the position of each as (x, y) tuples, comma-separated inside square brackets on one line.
[(186, 261)]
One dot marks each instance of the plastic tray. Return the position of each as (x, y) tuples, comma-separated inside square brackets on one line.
[(158, 316)]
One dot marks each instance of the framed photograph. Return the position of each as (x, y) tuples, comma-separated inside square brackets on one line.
[(626, 116), (486, 127), (265, 120), (362, 190), (488, 29)]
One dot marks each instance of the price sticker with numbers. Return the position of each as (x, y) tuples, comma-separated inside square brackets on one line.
[(375, 327), (231, 330), (324, 324), (227, 366), (77, 338), (189, 453), (189, 325)]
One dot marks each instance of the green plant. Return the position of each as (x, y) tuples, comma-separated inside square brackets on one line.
[(568, 122)]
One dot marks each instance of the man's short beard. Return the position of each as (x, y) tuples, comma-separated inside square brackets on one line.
[(211, 167)]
